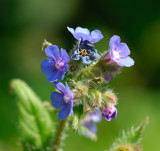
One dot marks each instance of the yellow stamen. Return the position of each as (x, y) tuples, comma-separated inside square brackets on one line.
[(83, 52)]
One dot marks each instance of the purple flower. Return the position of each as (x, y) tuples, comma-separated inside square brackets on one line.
[(90, 119), (109, 112), (85, 34), (56, 67), (119, 52), (62, 100)]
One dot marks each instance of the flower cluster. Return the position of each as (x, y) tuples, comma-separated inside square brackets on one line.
[(87, 83), (55, 68)]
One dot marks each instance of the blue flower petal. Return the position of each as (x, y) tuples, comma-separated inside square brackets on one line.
[(48, 66), (86, 60), (96, 36), (76, 51), (52, 52), (64, 56), (83, 33), (71, 107), (69, 91), (79, 32), (127, 61), (91, 127), (123, 50), (114, 41), (82, 30), (76, 57), (64, 112), (64, 70), (54, 76), (95, 116), (60, 87), (95, 56), (114, 115), (71, 30), (57, 100)]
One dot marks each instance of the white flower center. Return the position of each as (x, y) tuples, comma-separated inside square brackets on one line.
[(67, 98), (59, 64), (116, 55)]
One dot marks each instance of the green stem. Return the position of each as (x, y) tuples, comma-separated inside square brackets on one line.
[(60, 134)]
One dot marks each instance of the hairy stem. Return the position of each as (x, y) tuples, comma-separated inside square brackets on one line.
[(60, 134)]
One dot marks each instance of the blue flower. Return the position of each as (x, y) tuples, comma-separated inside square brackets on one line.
[(62, 100), (89, 121), (119, 52), (85, 52), (56, 67), (85, 34), (109, 112)]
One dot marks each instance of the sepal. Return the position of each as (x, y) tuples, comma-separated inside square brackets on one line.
[(45, 44)]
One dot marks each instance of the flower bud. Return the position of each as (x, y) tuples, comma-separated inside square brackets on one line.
[(108, 77), (45, 44), (109, 112), (79, 91), (128, 147), (109, 97), (73, 67), (96, 98)]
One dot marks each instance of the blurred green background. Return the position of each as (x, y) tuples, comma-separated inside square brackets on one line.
[(25, 24)]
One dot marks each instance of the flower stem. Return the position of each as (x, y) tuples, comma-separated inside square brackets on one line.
[(60, 134)]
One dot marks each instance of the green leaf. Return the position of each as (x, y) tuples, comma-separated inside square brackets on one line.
[(35, 123), (130, 141)]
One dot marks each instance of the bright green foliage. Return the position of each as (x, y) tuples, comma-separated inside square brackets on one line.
[(35, 124), (130, 141)]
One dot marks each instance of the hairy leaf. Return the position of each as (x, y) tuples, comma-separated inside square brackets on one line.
[(130, 141), (35, 123)]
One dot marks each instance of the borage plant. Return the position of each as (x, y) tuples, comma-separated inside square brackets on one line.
[(82, 96)]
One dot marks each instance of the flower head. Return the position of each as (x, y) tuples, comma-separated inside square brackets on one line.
[(85, 34), (85, 52), (62, 100), (119, 52), (109, 112), (56, 67), (90, 119)]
